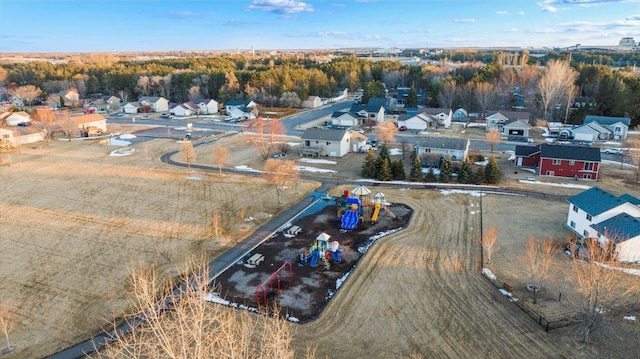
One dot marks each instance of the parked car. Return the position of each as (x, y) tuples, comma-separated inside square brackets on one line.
[(280, 155), (165, 115), (614, 151), (403, 128)]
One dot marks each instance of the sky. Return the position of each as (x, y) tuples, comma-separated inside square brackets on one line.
[(145, 25)]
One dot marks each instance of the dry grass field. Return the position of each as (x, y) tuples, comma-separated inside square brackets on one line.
[(74, 221)]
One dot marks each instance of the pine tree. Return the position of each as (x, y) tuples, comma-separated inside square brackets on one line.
[(369, 166), (385, 171), (397, 169), (384, 151), (379, 162), (412, 98), (491, 171), (479, 177), (416, 171), (465, 174), (430, 176), (446, 171)]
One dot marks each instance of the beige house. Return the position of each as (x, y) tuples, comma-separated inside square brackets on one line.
[(91, 121), (325, 142), (312, 102)]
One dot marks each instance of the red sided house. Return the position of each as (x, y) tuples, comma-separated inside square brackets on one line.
[(560, 160)]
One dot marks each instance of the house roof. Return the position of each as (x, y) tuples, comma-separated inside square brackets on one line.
[(340, 113), (526, 151), (435, 110), (373, 105), (316, 133), (516, 123), (596, 126), (150, 99), (312, 98), (134, 104), (445, 142), (606, 120), (205, 101), (619, 228), (238, 102), (596, 200), (511, 115), (94, 117), (566, 152)]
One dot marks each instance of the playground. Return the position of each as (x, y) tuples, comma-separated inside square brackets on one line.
[(300, 267)]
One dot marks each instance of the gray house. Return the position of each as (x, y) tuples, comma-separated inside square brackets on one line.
[(617, 125), (325, 142), (432, 149)]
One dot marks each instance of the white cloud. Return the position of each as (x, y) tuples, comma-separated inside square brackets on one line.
[(501, 12), (464, 20), (556, 5), (520, 13), (513, 29), (280, 7)]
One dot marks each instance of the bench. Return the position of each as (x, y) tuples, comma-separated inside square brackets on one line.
[(295, 230), (507, 286), (255, 259)]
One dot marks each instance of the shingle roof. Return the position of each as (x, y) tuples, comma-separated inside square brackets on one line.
[(619, 228), (434, 110), (517, 122), (526, 151), (238, 102), (445, 142), (606, 120), (88, 118), (315, 133), (153, 99), (566, 152), (596, 200)]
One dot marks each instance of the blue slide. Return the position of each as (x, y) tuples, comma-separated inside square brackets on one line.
[(336, 256), (350, 219), (315, 255)]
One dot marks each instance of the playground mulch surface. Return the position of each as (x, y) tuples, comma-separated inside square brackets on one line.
[(303, 295)]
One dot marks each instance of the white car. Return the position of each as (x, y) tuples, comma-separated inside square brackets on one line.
[(614, 151)]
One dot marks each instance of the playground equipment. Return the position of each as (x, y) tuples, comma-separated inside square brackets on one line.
[(350, 217), (378, 204), (255, 259), (273, 283), (321, 251)]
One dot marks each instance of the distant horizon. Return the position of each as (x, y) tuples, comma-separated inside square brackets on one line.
[(66, 26)]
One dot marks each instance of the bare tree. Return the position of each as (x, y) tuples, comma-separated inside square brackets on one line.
[(634, 155), (280, 173), (26, 93), (194, 93), (404, 145), (263, 134), (219, 156), (485, 94), (124, 95), (493, 138), (599, 286), (188, 153), (556, 81), (7, 321), (538, 258), (447, 94), (65, 122), (143, 84), (290, 99), (48, 120), (386, 132), (194, 328), (488, 240)]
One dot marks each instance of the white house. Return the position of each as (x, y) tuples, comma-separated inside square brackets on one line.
[(345, 119), (590, 132), (157, 104), (442, 115), (498, 119), (184, 109), (419, 122), (312, 102), (131, 107), (435, 148), (596, 213), (16, 118), (325, 142), (619, 126), (206, 106), (104, 104), (20, 136), (93, 120), (516, 128), (373, 110)]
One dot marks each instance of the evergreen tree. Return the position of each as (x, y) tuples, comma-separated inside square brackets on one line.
[(373, 89), (465, 173), (430, 176), (412, 99), (379, 162), (384, 151), (491, 171), (416, 171), (397, 169), (446, 171), (369, 166), (479, 177), (385, 172)]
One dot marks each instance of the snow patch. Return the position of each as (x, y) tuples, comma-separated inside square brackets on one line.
[(246, 168), (365, 247), (195, 177), (487, 273), (568, 185), (317, 161), (630, 317), (314, 169), (395, 152), (447, 192)]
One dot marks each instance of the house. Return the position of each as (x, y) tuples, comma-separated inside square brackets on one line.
[(619, 126), (157, 104), (104, 104), (516, 128), (460, 115), (10, 138), (358, 142), (598, 214), (345, 119), (419, 122), (247, 104), (373, 110), (432, 149), (442, 116), (312, 102), (590, 132), (498, 119), (91, 121), (241, 109), (16, 118), (184, 109), (131, 107), (206, 106), (325, 142), (566, 161), (70, 97)]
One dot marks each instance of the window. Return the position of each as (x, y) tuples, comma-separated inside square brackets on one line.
[(557, 162), (551, 173), (586, 176), (575, 208), (585, 233), (589, 166), (589, 217), (573, 224), (618, 129), (572, 162), (328, 143)]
